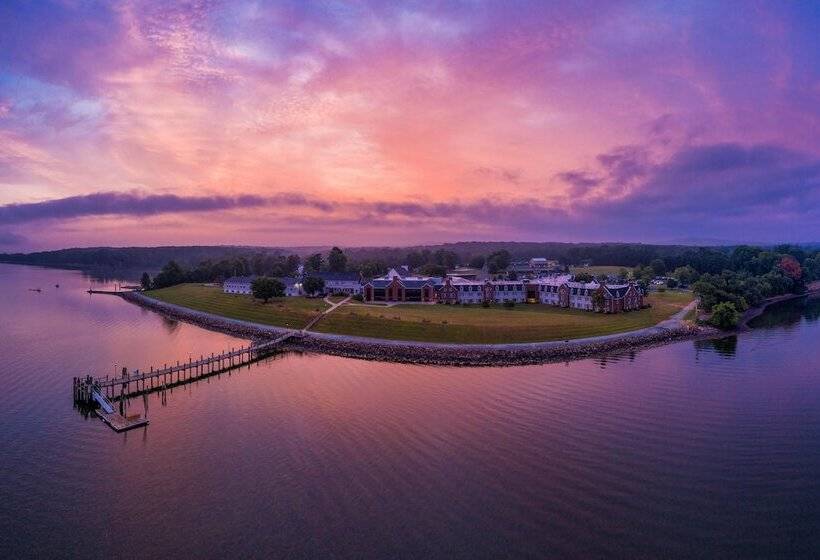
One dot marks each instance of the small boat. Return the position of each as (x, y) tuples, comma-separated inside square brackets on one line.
[(35, 290), (56, 285)]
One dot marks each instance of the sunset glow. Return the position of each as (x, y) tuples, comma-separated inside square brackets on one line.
[(377, 123)]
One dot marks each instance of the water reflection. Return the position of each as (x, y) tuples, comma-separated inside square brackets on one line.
[(725, 347), (170, 325), (681, 450), (788, 314)]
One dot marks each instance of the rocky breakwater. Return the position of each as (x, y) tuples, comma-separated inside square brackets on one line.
[(495, 354), (432, 353)]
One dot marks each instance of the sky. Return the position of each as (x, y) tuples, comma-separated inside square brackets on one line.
[(398, 123)]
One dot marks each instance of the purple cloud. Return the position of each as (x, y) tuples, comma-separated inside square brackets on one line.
[(757, 191), (108, 203), (11, 239)]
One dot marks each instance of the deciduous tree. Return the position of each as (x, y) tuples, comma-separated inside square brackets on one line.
[(265, 288), (725, 316), (336, 260), (313, 285)]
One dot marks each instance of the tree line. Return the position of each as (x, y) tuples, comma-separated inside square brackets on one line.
[(260, 264), (750, 275)]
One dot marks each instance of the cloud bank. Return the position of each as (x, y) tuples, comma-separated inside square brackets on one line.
[(381, 121), (624, 194)]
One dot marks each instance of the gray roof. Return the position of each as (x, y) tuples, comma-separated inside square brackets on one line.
[(339, 276), (241, 279), (618, 291), (383, 283)]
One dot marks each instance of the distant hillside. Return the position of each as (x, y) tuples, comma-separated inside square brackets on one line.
[(621, 254), (149, 258), (153, 258)]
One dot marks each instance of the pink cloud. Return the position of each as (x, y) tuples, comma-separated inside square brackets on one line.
[(392, 104)]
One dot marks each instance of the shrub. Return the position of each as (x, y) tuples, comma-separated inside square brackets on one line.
[(358, 297), (485, 304), (725, 316), (509, 304)]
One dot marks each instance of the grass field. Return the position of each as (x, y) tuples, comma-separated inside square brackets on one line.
[(596, 270), (497, 324), (292, 312)]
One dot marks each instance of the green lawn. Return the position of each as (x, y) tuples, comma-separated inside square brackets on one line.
[(596, 270), (432, 323), (476, 324), (292, 312)]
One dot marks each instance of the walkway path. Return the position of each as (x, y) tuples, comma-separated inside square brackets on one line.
[(319, 317), (670, 329)]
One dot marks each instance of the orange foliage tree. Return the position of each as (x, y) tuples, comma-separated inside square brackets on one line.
[(790, 267)]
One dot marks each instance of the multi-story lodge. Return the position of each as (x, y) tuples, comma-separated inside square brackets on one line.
[(556, 290)]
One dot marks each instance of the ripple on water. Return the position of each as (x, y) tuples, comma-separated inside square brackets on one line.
[(692, 449)]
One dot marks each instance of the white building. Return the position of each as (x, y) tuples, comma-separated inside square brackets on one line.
[(242, 285), (540, 263), (293, 287), (238, 284), (349, 283)]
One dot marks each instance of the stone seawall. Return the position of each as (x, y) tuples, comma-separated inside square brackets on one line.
[(430, 353), (491, 355)]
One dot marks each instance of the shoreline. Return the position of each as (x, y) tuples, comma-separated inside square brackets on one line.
[(751, 314), (442, 354)]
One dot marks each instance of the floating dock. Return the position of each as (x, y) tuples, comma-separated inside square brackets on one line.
[(104, 394)]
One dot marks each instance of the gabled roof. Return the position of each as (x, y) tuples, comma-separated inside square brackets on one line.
[(458, 280), (241, 279), (339, 276), (409, 282), (618, 291), (396, 271), (417, 283)]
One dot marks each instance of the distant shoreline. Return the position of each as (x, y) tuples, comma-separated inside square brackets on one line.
[(443, 354)]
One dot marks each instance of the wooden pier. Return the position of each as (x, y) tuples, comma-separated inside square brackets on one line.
[(102, 393)]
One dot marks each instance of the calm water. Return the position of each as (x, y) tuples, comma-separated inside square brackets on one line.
[(707, 449)]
